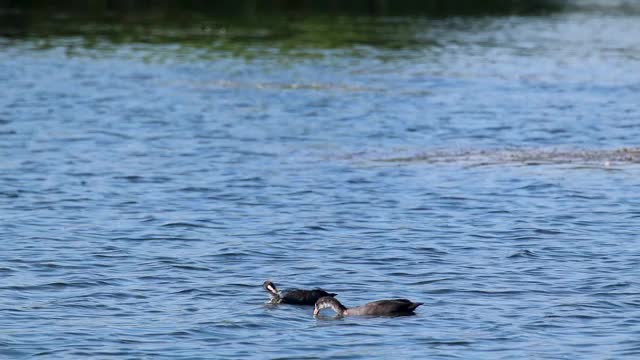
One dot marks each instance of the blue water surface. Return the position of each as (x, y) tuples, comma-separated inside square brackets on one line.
[(486, 167)]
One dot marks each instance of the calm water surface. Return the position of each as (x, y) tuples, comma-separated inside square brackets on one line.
[(152, 179)]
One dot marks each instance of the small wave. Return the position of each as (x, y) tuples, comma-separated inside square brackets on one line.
[(58, 285), (231, 255), (537, 187), (617, 285), (442, 291), (572, 316), (156, 238), (427, 282), (184, 225), (522, 254), (495, 292), (112, 134), (548, 231), (431, 250), (316, 228), (196, 189), (52, 265), (449, 343), (188, 291), (190, 267), (10, 194), (142, 179), (113, 295)]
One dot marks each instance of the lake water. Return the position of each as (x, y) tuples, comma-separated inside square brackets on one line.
[(151, 178)]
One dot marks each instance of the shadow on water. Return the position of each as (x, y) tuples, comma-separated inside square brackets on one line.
[(316, 23), (253, 8)]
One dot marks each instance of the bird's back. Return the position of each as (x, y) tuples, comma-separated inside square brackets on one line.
[(303, 297), (385, 307)]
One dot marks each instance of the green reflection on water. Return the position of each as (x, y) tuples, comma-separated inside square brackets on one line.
[(247, 28)]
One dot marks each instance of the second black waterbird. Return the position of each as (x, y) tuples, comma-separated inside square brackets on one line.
[(295, 296)]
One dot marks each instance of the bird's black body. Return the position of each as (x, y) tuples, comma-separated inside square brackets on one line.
[(294, 296)]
